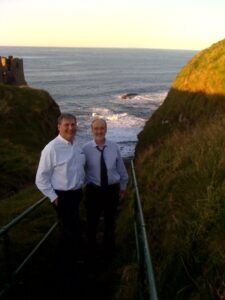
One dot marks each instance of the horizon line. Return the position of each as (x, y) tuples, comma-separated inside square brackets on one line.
[(102, 47)]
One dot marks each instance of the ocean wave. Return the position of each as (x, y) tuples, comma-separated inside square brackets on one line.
[(88, 84)]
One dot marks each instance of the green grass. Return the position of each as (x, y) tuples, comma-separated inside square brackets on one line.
[(28, 232), (204, 72), (28, 121), (180, 161), (180, 165), (12, 206), (182, 188)]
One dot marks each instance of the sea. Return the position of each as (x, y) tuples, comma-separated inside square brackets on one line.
[(91, 82)]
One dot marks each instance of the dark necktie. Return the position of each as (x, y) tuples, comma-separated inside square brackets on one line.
[(103, 169)]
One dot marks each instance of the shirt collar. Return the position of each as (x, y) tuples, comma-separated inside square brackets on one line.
[(65, 141), (95, 145)]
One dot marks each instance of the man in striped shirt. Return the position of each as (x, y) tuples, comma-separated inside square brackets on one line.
[(106, 179)]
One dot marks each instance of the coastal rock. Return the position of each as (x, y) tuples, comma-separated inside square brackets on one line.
[(129, 96)]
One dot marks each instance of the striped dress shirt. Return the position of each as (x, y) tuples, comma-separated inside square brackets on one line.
[(116, 170)]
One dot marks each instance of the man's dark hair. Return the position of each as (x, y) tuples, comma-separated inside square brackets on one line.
[(66, 116)]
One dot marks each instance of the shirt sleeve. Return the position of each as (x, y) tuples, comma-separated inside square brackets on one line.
[(44, 173), (122, 171)]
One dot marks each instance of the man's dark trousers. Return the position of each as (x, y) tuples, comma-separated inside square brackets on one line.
[(68, 214), (101, 201)]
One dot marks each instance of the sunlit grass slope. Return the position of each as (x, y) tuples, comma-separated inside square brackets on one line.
[(180, 164), (27, 122), (197, 95)]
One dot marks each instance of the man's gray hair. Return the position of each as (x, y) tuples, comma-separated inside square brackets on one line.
[(98, 119), (66, 116)]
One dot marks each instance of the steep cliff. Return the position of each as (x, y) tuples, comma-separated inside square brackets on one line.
[(180, 163), (27, 122), (197, 94)]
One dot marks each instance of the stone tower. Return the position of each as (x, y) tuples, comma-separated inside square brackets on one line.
[(11, 71)]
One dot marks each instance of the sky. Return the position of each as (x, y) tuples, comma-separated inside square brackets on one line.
[(162, 24)]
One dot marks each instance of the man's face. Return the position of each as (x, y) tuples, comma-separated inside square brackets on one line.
[(99, 131), (67, 129)]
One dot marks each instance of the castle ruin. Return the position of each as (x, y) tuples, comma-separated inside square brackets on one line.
[(11, 71)]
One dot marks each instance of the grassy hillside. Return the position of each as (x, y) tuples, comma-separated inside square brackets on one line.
[(28, 121), (180, 163), (197, 95)]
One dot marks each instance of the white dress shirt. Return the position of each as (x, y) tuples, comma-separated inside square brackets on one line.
[(61, 167), (116, 170)]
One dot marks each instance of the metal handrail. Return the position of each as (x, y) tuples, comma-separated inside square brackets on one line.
[(29, 256), (17, 219), (142, 243), (4, 233)]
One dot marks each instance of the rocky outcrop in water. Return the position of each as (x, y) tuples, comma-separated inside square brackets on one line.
[(129, 96)]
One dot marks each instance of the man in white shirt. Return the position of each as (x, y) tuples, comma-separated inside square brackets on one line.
[(106, 178), (60, 177)]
